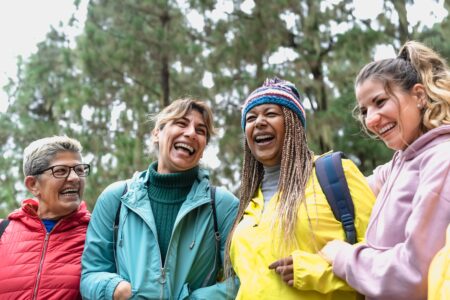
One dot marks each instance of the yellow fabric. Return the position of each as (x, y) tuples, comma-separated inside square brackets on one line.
[(439, 274), (255, 245)]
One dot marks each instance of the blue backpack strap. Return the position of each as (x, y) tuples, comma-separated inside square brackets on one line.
[(334, 185), (3, 225)]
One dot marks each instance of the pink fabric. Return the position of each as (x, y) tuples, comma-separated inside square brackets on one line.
[(407, 225), (22, 247)]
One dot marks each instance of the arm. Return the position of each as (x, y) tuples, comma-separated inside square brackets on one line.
[(310, 271), (226, 205), (99, 278), (372, 270)]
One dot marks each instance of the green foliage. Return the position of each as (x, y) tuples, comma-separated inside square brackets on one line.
[(134, 57)]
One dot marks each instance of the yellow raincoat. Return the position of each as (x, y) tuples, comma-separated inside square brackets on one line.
[(439, 274), (255, 245)]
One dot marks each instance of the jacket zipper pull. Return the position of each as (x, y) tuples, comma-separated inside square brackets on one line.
[(162, 278)]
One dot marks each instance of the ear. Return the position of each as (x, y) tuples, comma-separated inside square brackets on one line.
[(418, 90), (155, 134), (32, 184)]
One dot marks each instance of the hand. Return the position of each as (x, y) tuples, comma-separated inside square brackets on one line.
[(122, 291), (285, 268), (331, 249)]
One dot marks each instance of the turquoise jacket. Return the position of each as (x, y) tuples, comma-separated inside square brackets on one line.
[(190, 256)]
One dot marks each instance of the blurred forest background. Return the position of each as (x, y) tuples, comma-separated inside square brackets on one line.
[(135, 57)]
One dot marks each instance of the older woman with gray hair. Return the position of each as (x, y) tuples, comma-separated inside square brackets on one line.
[(42, 242)]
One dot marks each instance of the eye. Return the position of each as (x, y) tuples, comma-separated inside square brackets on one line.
[(380, 102), (272, 114), (80, 169), (201, 131), (180, 122), (250, 118), (60, 170)]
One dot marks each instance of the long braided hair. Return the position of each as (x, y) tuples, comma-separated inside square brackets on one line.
[(295, 170)]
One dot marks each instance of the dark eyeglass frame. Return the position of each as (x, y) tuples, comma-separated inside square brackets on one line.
[(86, 168)]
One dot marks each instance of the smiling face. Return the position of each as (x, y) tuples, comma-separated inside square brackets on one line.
[(57, 197), (394, 117), (264, 131), (181, 143)]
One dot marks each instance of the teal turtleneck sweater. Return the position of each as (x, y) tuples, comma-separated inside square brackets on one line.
[(167, 193)]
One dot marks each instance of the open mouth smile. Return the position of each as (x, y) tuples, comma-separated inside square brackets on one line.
[(263, 139), (185, 147), (386, 128)]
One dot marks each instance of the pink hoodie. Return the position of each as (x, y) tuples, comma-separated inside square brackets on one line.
[(408, 222)]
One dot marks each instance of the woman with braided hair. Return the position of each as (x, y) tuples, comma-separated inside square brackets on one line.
[(284, 218), (404, 101)]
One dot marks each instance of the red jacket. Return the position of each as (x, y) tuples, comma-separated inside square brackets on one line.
[(35, 264)]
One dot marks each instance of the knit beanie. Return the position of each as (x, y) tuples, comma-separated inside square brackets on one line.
[(275, 91)]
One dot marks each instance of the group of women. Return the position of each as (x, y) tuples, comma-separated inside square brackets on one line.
[(167, 233)]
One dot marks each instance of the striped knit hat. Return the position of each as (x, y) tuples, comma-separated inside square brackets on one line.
[(275, 91)]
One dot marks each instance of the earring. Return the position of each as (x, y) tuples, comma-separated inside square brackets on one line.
[(419, 106)]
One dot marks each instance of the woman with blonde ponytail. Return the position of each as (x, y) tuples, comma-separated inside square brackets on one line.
[(404, 101), (284, 218)]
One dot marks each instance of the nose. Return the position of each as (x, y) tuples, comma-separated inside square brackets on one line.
[(372, 119), (190, 131), (72, 176), (260, 121)]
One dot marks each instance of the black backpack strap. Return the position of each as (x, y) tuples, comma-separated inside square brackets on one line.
[(3, 224), (217, 237), (334, 185), (116, 224)]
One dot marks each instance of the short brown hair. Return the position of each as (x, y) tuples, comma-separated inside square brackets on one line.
[(181, 107)]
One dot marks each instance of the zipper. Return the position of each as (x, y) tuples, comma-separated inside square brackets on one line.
[(163, 277), (41, 262)]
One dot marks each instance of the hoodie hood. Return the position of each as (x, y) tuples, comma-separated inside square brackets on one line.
[(428, 140)]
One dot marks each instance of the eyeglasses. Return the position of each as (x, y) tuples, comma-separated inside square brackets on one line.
[(61, 171)]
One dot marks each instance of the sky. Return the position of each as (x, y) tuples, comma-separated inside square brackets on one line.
[(24, 23)]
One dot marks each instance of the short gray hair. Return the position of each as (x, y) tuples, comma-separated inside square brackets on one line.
[(39, 154)]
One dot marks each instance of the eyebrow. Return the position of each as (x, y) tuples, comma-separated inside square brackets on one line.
[(201, 124), (376, 97)]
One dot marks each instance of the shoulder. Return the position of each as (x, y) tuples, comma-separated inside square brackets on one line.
[(439, 152), (226, 202), (109, 199), (224, 195)]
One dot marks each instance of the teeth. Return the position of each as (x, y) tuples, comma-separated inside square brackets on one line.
[(262, 137), (69, 191), (386, 128), (185, 146)]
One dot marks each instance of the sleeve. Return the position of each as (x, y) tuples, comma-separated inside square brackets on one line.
[(227, 207), (311, 271), (98, 277), (372, 270)]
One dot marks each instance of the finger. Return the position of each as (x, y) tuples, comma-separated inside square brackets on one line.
[(285, 270), (274, 265), (291, 282), (281, 262), (288, 277)]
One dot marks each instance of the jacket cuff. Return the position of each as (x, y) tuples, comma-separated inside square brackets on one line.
[(111, 286), (308, 269), (340, 261)]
